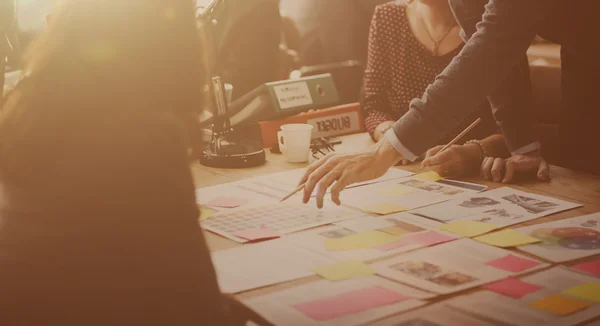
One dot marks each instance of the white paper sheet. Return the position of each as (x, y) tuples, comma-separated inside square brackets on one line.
[(253, 266), (501, 207), (420, 193), (282, 218), (565, 240), (278, 307), (315, 239), (517, 311), (435, 315), (449, 267)]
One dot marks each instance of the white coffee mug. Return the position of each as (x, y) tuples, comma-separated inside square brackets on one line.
[(294, 141)]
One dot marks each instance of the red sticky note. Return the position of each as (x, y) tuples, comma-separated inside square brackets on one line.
[(257, 234), (226, 202), (512, 287), (349, 303), (395, 245), (430, 238), (590, 267), (512, 263)]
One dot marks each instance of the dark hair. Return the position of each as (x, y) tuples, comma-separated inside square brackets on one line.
[(97, 58)]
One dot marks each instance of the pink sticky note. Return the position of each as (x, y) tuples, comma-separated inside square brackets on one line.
[(512, 263), (349, 303), (512, 287), (257, 234), (430, 238), (226, 202), (396, 245), (590, 267)]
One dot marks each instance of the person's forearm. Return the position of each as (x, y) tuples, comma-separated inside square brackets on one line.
[(501, 40)]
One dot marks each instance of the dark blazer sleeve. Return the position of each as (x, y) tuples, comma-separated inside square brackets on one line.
[(502, 38)]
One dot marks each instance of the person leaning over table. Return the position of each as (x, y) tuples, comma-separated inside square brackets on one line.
[(99, 222), (411, 42), (498, 34)]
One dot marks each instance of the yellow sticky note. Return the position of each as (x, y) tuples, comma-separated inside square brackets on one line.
[(507, 238), (206, 212), (363, 240), (385, 208), (467, 228), (395, 230), (588, 291), (344, 270), (428, 176), (559, 305), (396, 190)]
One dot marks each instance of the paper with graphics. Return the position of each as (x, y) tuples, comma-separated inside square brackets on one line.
[(455, 266), (565, 240), (565, 298)]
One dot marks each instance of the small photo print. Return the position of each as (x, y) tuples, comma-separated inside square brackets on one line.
[(478, 202), (532, 205), (500, 213), (421, 270), (414, 183), (336, 234), (452, 279), (418, 322), (432, 187)]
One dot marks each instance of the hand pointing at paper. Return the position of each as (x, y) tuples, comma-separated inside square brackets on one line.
[(337, 171)]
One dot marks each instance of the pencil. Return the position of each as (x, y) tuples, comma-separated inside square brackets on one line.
[(456, 139), (299, 188)]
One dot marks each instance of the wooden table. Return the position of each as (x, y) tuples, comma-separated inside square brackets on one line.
[(565, 184)]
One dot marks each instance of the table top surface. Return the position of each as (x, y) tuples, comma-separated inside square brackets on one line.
[(565, 184)]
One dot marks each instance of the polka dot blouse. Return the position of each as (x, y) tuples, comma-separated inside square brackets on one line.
[(399, 68)]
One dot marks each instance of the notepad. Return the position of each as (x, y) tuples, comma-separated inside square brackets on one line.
[(385, 209), (468, 228), (512, 263), (428, 176), (349, 303), (588, 291), (363, 240), (512, 287), (559, 305), (344, 270), (507, 238)]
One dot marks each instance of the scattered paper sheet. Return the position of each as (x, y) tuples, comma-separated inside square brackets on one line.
[(282, 218), (241, 193), (507, 238), (257, 265), (344, 270), (512, 287), (452, 266), (428, 176), (315, 240), (468, 228), (502, 207), (590, 267), (587, 291), (434, 315), (559, 305), (561, 311), (512, 263), (362, 240), (226, 202), (431, 238), (257, 234), (344, 303), (565, 240), (393, 196), (395, 230)]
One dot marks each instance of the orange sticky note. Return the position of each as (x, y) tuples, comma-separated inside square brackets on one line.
[(428, 176), (559, 305), (385, 209)]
